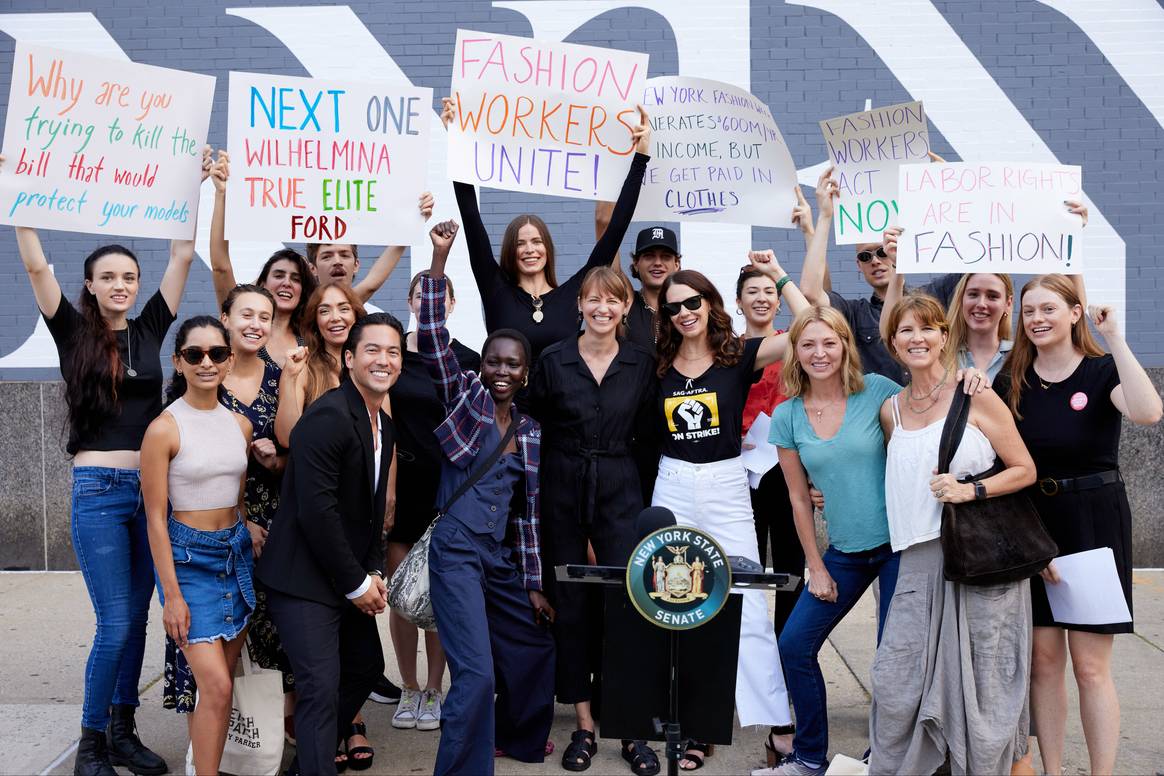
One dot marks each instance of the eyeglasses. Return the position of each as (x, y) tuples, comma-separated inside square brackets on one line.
[(672, 308), (867, 256), (193, 356)]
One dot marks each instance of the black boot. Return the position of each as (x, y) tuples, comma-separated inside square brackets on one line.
[(92, 756), (126, 749)]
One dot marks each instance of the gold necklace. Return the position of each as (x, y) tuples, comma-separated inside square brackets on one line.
[(820, 412), (1046, 386)]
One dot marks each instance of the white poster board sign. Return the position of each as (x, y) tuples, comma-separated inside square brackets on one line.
[(541, 116), (717, 156), (866, 149), (314, 160), (989, 217), (103, 146)]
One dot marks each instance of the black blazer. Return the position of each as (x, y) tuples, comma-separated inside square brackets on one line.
[(326, 535)]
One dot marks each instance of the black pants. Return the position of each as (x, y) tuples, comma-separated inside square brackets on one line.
[(336, 655), (773, 513)]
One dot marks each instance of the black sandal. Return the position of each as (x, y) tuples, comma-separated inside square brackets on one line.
[(696, 752), (775, 756), (581, 750), (356, 763), (642, 758)]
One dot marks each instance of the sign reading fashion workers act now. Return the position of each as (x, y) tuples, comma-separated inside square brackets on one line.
[(989, 217), (321, 161), (541, 116), (716, 156), (103, 146), (866, 149)]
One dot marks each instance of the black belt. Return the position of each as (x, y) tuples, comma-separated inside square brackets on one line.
[(589, 478), (1050, 486)]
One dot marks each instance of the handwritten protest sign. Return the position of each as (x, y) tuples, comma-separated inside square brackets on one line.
[(867, 148), (717, 156), (325, 161), (542, 116), (103, 146), (993, 217)]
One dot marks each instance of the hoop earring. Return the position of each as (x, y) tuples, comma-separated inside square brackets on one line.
[(525, 381), (626, 320), (739, 312), (580, 319)]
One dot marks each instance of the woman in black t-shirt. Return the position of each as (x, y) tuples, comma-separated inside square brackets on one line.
[(705, 374), (111, 364), (522, 292), (1069, 399)]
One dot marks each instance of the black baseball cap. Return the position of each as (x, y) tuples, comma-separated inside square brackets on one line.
[(656, 237)]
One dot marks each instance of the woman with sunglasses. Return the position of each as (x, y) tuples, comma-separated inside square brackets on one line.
[(522, 292), (111, 365), (705, 372), (194, 459)]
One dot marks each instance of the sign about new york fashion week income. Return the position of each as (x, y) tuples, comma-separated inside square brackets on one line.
[(103, 146), (541, 116), (989, 217), (716, 156), (315, 160), (866, 149)]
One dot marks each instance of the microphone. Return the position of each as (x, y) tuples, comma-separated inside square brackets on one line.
[(652, 519)]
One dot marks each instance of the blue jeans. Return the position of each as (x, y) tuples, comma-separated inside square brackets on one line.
[(113, 551), (811, 623)]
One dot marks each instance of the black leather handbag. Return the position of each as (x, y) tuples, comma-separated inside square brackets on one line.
[(993, 541)]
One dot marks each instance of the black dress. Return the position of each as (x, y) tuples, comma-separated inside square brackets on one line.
[(506, 304), (1072, 429), (590, 483), (416, 412)]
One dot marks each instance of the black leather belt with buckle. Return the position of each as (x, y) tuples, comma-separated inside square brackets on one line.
[(1053, 487)]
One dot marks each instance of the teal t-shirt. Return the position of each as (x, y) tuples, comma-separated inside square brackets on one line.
[(848, 469)]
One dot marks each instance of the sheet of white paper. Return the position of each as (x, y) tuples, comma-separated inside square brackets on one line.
[(1089, 590), (754, 480), (762, 456)]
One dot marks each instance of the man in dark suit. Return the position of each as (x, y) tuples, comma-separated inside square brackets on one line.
[(321, 562)]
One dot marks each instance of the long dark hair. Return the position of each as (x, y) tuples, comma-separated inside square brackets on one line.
[(177, 385), (726, 347), (95, 370), (508, 260), (246, 288), (320, 364), (306, 281)]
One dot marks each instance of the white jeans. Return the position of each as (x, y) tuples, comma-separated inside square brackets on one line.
[(714, 497)]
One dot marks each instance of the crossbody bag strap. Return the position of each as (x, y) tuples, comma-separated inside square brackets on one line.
[(480, 471), (953, 429)]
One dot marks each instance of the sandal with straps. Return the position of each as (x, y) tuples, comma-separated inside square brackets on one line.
[(696, 752), (355, 762), (642, 758), (775, 756), (580, 751)]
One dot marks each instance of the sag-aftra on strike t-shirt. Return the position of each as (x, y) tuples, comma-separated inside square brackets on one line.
[(702, 417)]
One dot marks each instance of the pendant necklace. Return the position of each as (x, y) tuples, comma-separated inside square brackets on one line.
[(934, 395), (538, 316), (129, 370), (820, 412)]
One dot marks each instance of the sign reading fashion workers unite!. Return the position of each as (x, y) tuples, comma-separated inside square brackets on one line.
[(542, 116), (315, 160), (717, 156), (866, 149), (989, 217), (103, 146)]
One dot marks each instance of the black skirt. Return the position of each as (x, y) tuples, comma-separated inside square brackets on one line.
[(1080, 521)]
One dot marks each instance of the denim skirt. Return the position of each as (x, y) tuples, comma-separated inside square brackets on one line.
[(214, 575)]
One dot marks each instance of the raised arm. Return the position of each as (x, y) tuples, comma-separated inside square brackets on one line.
[(775, 346), (181, 256), (221, 270), (802, 216), (1135, 397), (813, 278), (385, 265), (1078, 208), (45, 287), (628, 199), (292, 392), (603, 210), (432, 337), (485, 268), (896, 288)]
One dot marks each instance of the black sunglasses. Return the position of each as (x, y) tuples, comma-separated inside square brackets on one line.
[(193, 356), (867, 256), (673, 308)]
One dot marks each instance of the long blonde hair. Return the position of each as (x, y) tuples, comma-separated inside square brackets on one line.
[(1022, 355), (928, 312), (795, 379), (956, 315)]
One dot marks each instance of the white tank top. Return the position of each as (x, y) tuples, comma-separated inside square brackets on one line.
[(915, 516), (212, 456)]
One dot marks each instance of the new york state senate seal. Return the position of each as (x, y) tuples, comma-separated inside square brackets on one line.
[(678, 577)]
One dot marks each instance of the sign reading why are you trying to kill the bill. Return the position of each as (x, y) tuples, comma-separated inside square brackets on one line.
[(103, 146), (315, 160), (541, 116)]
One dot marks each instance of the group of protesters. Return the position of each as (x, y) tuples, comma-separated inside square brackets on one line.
[(304, 445)]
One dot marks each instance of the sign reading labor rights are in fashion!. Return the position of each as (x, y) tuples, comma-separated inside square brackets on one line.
[(541, 116), (326, 161), (989, 217), (866, 149), (716, 156), (103, 146)]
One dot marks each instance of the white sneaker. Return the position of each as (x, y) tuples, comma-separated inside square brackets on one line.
[(429, 717), (406, 711), (792, 766)]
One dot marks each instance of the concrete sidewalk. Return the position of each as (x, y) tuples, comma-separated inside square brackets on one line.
[(47, 625)]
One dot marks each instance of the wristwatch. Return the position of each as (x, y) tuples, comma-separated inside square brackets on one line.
[(979, 491)]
